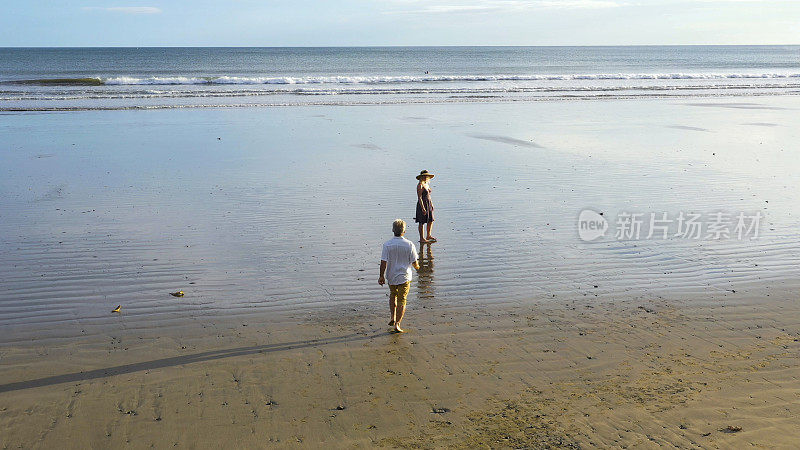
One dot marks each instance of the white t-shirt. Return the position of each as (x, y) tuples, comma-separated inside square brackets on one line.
[(399, 254)]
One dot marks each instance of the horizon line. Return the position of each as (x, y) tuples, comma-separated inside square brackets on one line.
[(389, 46)]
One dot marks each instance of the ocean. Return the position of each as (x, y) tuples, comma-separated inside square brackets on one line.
[(63, 79), (122, 179)]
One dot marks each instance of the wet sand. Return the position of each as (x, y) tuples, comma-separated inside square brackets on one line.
[(641, 373), (272, 210), (521, 334)]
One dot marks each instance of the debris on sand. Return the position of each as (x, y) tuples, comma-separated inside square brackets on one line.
[(731, 429), (176, 294), (116, 310)]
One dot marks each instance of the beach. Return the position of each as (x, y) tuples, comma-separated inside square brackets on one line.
[(631, 373), (520, 332)]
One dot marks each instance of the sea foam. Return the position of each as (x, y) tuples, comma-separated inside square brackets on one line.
[(347, 79)]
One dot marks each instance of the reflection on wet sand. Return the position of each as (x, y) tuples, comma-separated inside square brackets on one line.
[(128, 228), (425, 289)]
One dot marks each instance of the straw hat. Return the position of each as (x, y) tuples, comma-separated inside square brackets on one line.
[(424, 173)]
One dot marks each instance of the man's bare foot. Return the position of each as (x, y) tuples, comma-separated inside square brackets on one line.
[(431, 239), (398, 329), (424, 241), (391, 322)]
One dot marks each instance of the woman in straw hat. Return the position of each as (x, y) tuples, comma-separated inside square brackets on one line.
[(424, 206)]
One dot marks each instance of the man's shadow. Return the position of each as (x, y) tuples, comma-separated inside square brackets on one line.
[(181, 360)]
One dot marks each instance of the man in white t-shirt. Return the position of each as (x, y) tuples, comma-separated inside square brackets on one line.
[(397, 258)]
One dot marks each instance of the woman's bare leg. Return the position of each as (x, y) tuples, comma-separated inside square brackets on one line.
[(430, 238), (421, 236)]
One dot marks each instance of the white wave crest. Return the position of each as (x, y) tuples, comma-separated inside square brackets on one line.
[(237, 80)]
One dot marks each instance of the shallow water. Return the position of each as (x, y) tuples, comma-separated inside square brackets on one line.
[(265, 210)]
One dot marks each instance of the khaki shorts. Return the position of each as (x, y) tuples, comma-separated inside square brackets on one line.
[(398, 293)]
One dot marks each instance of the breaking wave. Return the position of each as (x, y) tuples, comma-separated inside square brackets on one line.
[(348, 79)]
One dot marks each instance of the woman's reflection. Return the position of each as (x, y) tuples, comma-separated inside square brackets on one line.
[(425, 272)]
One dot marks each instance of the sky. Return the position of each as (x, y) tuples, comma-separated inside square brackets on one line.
[(94, 23)]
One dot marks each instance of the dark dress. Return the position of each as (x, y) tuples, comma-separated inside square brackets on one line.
[(426, 200)]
